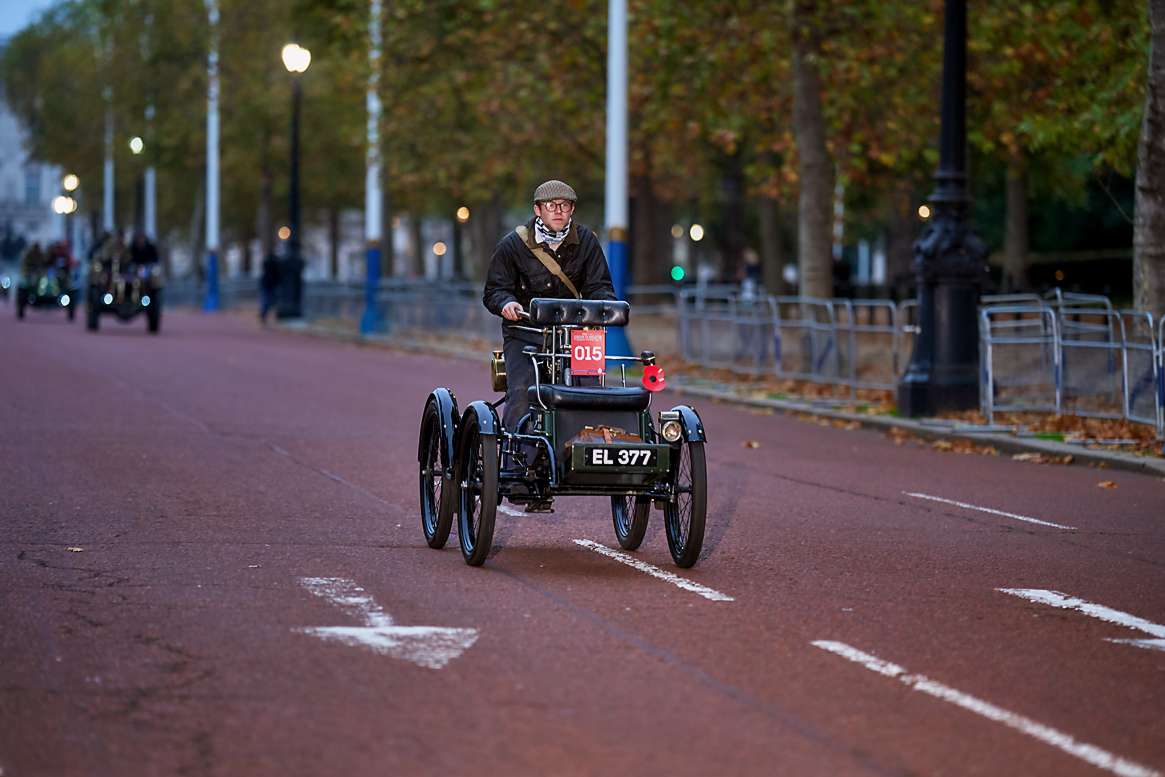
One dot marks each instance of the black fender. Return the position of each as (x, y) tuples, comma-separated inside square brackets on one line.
[(483, 416), (693, 425), (449, 418)]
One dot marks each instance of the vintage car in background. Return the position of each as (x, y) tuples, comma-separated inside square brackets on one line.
[(46, 287), (124, 289)]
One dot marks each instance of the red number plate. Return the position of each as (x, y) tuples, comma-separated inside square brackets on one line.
[(588, 351)]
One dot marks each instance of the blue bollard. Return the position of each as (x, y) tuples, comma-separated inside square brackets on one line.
[(617, 342), (210, 303), (371, 321)]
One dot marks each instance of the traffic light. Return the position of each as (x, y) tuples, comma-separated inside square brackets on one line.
[(677, 273)]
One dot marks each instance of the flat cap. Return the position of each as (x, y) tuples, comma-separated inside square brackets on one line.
[(554, 190)]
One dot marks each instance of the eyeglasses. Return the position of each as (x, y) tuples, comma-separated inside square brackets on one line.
[(559, 206)]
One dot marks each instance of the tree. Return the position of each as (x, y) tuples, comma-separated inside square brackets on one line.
[(1149, 228)]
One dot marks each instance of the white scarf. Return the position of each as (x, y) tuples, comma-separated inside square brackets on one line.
[(543, 233)]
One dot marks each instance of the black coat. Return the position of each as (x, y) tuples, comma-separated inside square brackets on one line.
[(515, 274)]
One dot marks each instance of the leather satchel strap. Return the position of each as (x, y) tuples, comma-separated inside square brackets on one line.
[(546, 259)]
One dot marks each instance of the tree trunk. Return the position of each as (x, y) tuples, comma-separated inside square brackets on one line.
[(266, 195), (485, 230), (387, 246), (1149, 222), (815, 206), (643, 248), (1015, 239), (900, 236), (731, 238), (263, 222), (772, 261), (334, 241), (417, 270), (247, 263)]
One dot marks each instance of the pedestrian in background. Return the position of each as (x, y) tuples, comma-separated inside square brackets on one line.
[(268, 283)]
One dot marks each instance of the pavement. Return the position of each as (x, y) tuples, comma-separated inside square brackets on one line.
[(211, 564)]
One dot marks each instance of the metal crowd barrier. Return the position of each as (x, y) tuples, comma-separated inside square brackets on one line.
[(854, 343), (1161, 378), (1075, 354), (1139, 363), (1014, 376)]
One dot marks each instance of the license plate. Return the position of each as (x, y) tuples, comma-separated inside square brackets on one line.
[(588, 351), (620, 457)]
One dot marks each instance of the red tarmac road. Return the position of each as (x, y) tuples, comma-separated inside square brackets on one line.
[(162, 500)]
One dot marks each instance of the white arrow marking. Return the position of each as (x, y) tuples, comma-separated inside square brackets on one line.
[(1099, 611), (428, 646), (1058, 739)]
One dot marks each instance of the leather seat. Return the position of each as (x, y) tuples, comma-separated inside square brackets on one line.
[(583, 398)]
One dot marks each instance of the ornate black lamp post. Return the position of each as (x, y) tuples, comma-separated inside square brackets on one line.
[(296, 59), (943, 373)]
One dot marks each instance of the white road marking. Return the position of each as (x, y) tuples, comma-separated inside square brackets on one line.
[(1046, 734), (643, 566), (429, 646), (1099, 611), (966, 506), (510, 511)]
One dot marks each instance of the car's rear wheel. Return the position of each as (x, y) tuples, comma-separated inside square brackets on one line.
[(20, 305), (436, 501), (683, 516), (630, 514), (477, 503)]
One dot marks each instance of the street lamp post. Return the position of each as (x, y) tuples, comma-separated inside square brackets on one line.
[(296, 59), (70, 183), (943, 373), (136, 146)]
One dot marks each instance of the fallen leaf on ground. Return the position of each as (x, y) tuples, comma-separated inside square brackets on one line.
[(1106, 484), (751, 444), (1043, 458), (942, 445)]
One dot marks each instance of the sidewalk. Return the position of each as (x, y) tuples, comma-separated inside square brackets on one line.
[(972, 437)]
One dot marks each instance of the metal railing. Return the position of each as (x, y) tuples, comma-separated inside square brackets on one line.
[(852, 343), (1072, 354), (1014, 375), (1061, 352)]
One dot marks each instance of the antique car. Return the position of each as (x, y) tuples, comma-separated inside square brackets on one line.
[(46, 287), (576, 440), (124, 289)]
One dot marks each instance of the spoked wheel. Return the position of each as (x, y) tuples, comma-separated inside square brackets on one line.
[(629, 514), (436, 505), (477, 503), (684, 518)]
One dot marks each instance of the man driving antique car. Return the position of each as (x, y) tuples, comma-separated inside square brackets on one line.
[(549, 256)]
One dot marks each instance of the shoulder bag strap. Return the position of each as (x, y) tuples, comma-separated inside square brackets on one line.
[(547, 260)]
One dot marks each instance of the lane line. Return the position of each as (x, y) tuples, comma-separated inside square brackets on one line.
[(510, 511), (656, 572), (966, 506), (1044, 733), (1098, 611)]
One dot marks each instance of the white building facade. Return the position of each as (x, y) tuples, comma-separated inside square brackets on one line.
[(27, 188)]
